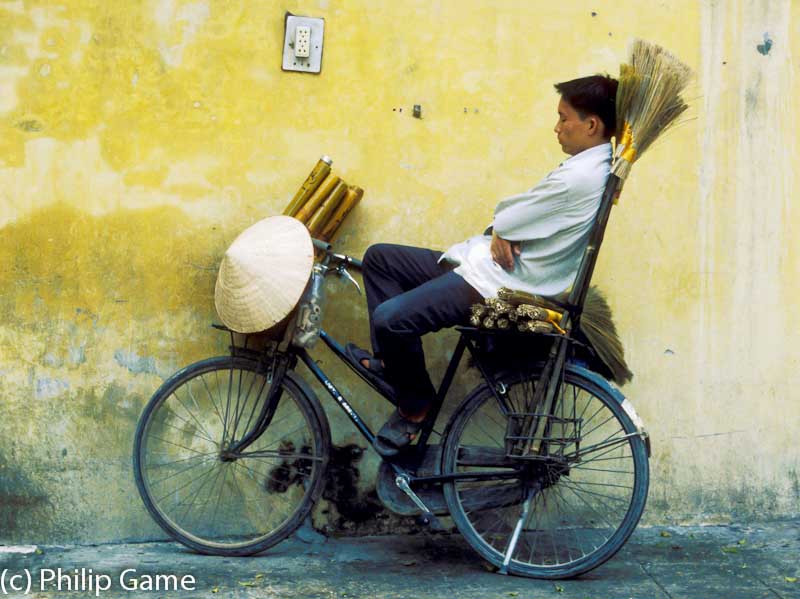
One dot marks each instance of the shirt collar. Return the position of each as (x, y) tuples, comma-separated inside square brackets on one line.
[(601, 150)]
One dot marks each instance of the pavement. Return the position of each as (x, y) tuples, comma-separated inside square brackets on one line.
[(705, 562)]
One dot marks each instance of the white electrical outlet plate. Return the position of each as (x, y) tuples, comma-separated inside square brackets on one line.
[(303, 35), (302, 40)]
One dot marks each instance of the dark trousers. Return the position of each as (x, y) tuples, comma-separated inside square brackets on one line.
[(410, 294)]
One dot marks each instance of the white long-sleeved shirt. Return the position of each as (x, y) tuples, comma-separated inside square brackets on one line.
[(551, 222)]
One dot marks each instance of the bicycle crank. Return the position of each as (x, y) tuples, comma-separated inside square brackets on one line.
[(426, 518)]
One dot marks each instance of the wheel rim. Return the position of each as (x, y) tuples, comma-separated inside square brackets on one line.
[(205, 493), (580, 512)]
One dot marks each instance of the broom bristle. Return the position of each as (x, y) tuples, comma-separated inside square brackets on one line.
[(597, 323), (648, 100)]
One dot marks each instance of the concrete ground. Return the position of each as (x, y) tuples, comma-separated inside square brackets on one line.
[(730, 562)]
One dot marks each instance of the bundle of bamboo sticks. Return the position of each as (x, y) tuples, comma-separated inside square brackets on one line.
[(496, 313), (323, 201), (532, 313)]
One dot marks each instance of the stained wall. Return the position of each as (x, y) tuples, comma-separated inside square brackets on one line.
[(138, 138)]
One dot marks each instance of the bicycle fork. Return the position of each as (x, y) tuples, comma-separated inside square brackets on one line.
[(274, 378)]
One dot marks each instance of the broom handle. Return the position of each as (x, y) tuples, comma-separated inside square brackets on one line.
[(545, 392), (577, 296)]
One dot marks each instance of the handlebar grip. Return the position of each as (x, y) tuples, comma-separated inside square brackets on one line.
[(321, 245), (327, 247)]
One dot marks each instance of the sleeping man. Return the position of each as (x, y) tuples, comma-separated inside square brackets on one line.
[(534, 244)]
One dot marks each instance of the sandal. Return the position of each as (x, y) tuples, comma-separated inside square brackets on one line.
[(356, 354), (398, 432)]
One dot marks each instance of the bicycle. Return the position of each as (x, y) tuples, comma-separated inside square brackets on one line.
[(543, 466)]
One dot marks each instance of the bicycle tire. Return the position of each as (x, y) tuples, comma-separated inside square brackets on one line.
[(567, 530), (268, 495)]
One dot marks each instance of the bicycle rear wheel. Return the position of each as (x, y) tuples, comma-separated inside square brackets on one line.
[(209, 498), (586, 492)]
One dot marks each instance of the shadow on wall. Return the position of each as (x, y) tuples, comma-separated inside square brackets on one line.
[(95, 310), (17, 495)]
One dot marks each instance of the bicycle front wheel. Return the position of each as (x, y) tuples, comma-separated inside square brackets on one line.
[(209, 497), (573, 506)]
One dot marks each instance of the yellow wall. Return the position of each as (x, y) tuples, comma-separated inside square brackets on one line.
[(138, 138)]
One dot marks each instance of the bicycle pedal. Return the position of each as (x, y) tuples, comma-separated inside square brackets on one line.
[(429, 521)]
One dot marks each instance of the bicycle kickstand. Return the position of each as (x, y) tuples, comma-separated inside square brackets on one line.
[(512, 543)]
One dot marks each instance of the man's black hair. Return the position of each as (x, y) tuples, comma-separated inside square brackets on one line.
[(593, 95)]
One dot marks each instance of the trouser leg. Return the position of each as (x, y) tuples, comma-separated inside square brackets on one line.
[(399, 323), (390, 270)]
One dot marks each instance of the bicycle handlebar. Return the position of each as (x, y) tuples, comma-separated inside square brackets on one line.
[(326, 247)]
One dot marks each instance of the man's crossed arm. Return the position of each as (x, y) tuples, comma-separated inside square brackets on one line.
[(503, 251)]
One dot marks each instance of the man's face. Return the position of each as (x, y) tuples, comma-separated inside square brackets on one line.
[(574, 133)]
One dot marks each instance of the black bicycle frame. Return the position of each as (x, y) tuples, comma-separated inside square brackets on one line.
[(427, 428)]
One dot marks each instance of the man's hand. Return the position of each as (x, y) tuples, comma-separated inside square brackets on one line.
[(503, 251)]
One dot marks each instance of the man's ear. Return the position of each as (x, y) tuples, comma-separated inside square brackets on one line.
[(594, 125)]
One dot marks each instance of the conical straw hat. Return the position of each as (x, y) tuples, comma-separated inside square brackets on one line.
[(263, 274)]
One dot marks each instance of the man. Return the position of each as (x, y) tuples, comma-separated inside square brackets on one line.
[(534, 244)]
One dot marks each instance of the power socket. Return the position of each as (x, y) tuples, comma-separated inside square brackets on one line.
[(302, 41)]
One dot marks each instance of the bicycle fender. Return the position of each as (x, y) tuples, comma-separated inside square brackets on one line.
[(614, 392)]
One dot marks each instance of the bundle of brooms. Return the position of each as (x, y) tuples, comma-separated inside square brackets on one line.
[(323, 201), (648, 102)]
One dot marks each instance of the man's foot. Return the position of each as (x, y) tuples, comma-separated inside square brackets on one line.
[(363, 358), (398, 432), (370, 362)]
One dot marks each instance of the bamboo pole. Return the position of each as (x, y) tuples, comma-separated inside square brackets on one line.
[(309, 186), (351, 198), (320, 218), (319, 196)]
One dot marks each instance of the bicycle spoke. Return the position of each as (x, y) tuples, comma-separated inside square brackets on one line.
[(590, 506), (599, 425), (211, 395), (278, 454), (593, 493), (197, 406), (219, 497), (182, 486), (605, 485), (155, 482), (178, 445), (579, 466), (194, 457), (208, 435), (244, 405), (183, 431), (609, 446), (245, 501), (291, 432), (267, 476), (574, 532), (196, 494), (210, 496)]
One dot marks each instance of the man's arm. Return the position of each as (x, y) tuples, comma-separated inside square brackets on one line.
[(525, 216), (533, 214), (503, 251)]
